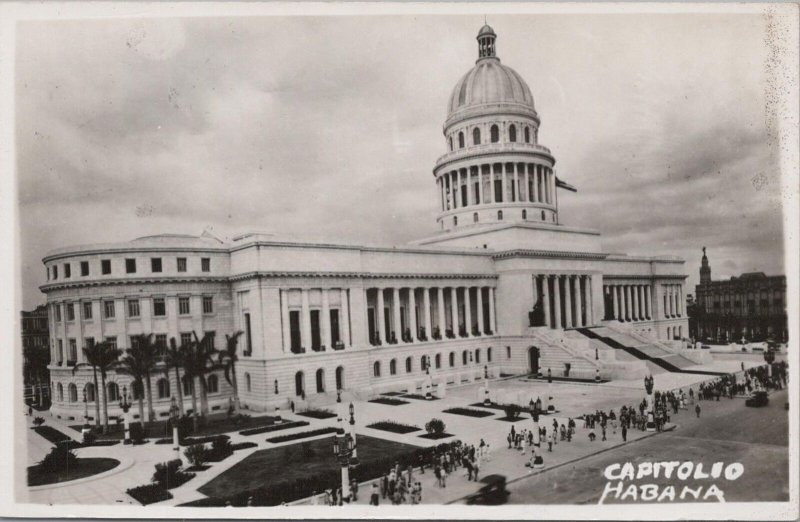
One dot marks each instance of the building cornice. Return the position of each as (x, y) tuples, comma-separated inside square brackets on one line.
[(354, 275), (647, 277), (549, 254), (104, 251), (459, 251), (63, 285)]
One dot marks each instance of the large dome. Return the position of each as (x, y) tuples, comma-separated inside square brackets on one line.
[(489, 83)]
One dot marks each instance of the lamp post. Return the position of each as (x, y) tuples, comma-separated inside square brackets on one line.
[(538, 461), (769, 357), (174, 415), (648, 386), (344, 449), (85, 411), (551, 408), (486, 396), (125, 405)]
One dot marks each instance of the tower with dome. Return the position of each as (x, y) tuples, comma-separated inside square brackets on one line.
[(502, 287)]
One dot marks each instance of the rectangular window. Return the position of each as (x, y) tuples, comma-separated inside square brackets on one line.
[(57, 309), (88, 342), (208, 304), (87, 310), (112, 341), (84, 268), (205, 264), (73, 352), (60, 353), (186, 338), (70, 311), (130, 266), (155, 264), (105, 266), (161, 343), (134, 341), (248, 335), (108, 309), (133, 308), (183, 305), (55, 272), (67, 270), (181, 264), (159, 308), (212, 335)]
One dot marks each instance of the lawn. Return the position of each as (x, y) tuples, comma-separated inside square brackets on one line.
[(306, 459), (215, 424), (85, 468)]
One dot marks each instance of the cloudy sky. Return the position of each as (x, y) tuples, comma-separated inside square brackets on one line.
[(328, 127)]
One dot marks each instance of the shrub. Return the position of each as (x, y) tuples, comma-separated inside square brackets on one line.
[(243, 445), (137, 433), (38, 421), (435, 427), (512, 411), (89, 438), (221, 448), (317, 413), (389, 401), (53, 435), (394, 427), (469, 412), (275, 427), (196, 454), (168, 475), (302, 435), (61, 458), (149, 494)]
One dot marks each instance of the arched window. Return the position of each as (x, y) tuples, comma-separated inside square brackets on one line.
[(527, 135), (340, 378), (320, 380), (452, 359), (494, 134), (89, 388), (477, 355), (188, 385), (248, 385), (512, 133), (464, 357), (451, 143), (524, 214), (137, 390), (475, 217), (213, 384), (376, 369), (299, 384), (393, 367), (476, 136), (499, 215), (163, 388), (489, 354), (438, 360), (73, 392), (409, 364), (423, 363), (460, 140), (113, 391), (61, 393)]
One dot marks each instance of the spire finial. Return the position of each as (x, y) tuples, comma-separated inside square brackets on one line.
[(486, 38)]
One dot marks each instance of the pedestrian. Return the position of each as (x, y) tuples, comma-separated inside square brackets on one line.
[(437, 472), (354, 490), (550, 441), (603, 428), (476, 467), (697, 410), (624, 433), (509, 440), (384, 485), (374, 498)]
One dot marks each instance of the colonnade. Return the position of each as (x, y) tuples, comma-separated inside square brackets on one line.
[(401, 315), (521, 182), (566, 300), (630, 302), (673, 301), (328, 336)]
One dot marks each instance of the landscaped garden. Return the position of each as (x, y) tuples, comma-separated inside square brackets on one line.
[(292, 472), (393, 427), (468, 412), (389, 401), (61, 465), (317, 413)]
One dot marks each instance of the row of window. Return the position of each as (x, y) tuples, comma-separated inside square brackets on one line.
[(162, 389), (160, 341), (156, 266), (109, 308), (494, 135), (467, 357), (499, 217)]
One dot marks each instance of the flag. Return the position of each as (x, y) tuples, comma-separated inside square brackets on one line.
[(565, 185)]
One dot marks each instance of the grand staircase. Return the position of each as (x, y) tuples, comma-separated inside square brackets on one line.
[(656, 357)]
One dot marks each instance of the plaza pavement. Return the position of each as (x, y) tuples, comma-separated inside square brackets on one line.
[(571, 399)]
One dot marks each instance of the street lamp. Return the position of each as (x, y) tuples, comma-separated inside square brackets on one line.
[(125, 405), (344, 450), (551, 408), (769, 357), (538, 461), (650, 403), (174, 415)]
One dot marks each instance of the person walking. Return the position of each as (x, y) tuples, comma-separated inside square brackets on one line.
[(697, 410), (624, 433), (374, 498)]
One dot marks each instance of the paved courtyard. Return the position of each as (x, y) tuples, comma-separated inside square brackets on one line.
[(571, 400)]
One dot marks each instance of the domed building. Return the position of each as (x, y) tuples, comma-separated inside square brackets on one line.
[(502, 287)]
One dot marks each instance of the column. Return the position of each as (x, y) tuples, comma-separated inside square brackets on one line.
[(535, 185), (327, 339), (648, 302), (398, 334), (287, 336), (579, 301), (546, 297), (613, 289), (557, 300), (505, 181), (679, 292), (568, 302), (480, 310), (467, 312), (452, 190), (642, 306), (454, 309), (589, 299), (628, 314), (492, 324), (344, 320), (480, 185), (440, 305), (491, 183), (515, 191), (305, 313), (380, 317), (412, 314), (635, 302), (670, 311), (551, 180), (426, 298)]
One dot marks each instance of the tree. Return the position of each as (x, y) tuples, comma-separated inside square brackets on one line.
[(199, 362), (174, 356), (435, 426), (228, 359), (102, 357), (36, 360), (139, 362)]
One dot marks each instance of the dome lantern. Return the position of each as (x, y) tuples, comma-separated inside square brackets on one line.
[(486, 37)]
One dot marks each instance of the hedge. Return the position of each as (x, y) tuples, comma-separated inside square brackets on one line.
[(389, 401), (303, 435), (317, 414), (149, 494), (469, 412), (274, 427), (394, 427), (243, 445)]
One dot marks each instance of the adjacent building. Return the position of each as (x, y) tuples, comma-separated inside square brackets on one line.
[(498, 288)]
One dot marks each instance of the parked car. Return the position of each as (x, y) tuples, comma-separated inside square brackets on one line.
[(493, 493), (705, 347), (757, 399)]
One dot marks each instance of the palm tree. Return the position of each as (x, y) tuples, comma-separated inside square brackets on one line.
[(139, 362), (36, 361), (227, 359), (199, 362), (102, 357), (173, 359)]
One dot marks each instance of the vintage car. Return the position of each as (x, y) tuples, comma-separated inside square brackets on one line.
[(757, 399), (493, 493)]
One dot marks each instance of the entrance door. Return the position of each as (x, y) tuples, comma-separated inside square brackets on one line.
[(533, 359)]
